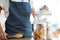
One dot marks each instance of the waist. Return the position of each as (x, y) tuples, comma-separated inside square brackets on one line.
[(22, 39), (20, 0)]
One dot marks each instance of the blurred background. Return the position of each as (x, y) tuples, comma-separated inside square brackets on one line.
[(53, 24)]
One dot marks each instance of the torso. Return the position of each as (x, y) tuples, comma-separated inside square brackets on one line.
[(19, 18)]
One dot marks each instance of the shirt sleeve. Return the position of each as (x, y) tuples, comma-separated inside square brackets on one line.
[(2, 20), (31, 3)]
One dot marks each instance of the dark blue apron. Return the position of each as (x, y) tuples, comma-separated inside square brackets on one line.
[(19, 19)]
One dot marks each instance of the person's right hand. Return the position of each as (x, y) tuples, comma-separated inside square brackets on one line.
[(3, 36)]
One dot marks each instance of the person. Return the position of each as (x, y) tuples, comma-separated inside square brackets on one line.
[(5, 4), (2, 23), (18, 20)]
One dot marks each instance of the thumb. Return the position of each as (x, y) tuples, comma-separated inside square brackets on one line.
[(6, 34)]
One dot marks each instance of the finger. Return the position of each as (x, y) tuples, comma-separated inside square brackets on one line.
[(0, 36), (0, 39), (5, 36)]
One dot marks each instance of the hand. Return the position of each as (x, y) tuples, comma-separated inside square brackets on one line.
[(3, 36), (33, 11)]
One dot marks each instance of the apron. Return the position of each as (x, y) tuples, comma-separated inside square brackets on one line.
[(19, 19)]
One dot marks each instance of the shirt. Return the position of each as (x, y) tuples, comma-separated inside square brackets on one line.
[(5, 5), (2, 20), (20, 0)]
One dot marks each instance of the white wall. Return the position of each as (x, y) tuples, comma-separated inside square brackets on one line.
[(53, 6)]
